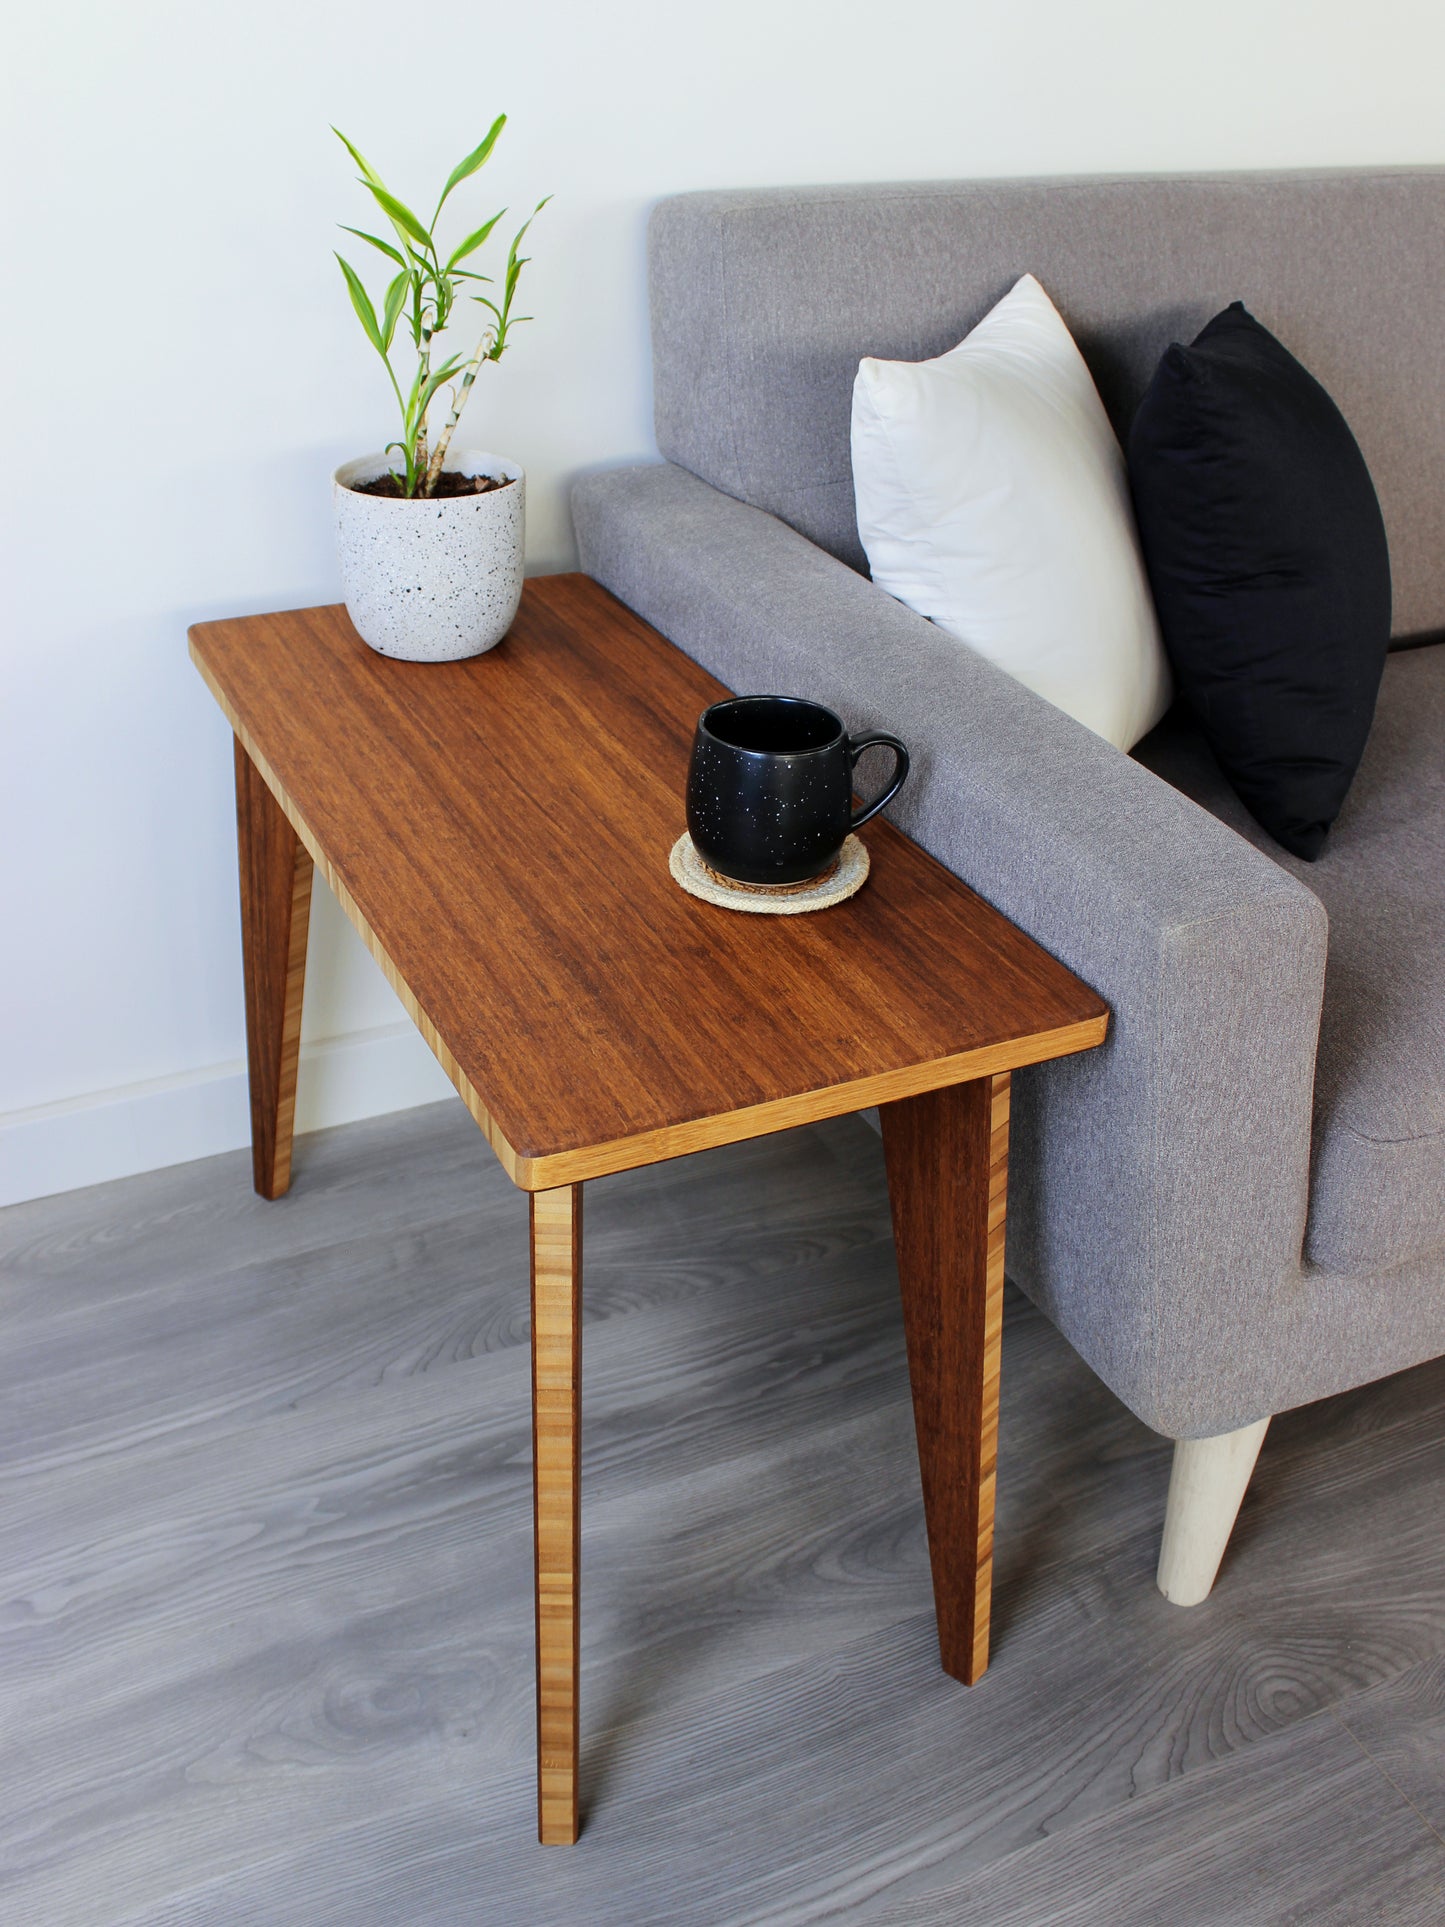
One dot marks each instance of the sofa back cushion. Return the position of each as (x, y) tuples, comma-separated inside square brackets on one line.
[(764, 302)]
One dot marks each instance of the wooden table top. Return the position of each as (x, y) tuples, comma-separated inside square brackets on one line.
[(498, 830)]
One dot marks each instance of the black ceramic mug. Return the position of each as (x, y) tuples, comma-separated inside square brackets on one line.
[(770, 787)]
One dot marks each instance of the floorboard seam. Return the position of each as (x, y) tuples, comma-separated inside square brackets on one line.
[(1383, 1771)]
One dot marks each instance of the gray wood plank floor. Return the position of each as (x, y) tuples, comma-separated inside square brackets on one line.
[(265, 1581)]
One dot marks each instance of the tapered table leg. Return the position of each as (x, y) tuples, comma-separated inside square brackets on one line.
[(947, 1156), (275, 916), (556, 1485)]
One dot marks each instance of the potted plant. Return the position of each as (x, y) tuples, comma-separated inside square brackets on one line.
[(430, 538)]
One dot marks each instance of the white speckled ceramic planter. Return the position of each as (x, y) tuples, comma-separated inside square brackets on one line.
[(431, 581)]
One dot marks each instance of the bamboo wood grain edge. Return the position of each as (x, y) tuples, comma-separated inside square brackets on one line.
[(992, 1365), (556, 1488), (812, 1107), (547, 1172)]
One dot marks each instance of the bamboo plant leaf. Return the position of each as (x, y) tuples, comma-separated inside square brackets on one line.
[(476, 159), (361, 301), (515, 265), (385, 246), (407, 228), (512, 274), (368, 171), (440, 377), (472, 242), (395, 296), (408, 456), (400, 214)]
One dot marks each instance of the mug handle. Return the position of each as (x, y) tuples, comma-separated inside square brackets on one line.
[(856, 747)]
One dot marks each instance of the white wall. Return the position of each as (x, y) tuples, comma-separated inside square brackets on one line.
[(183, 371)]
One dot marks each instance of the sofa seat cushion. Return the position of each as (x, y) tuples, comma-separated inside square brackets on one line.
[(1377, 1190)]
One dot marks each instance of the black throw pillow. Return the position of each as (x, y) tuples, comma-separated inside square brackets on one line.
[(1267, 557)]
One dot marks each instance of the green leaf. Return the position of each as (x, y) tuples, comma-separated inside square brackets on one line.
[(472, 242), (515, 266), (395, 296), (372, 177), (361, 301), (401, 215), (440, 377), (408, 456), (385, 246), (477, 158)]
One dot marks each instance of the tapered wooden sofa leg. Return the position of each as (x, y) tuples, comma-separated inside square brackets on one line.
[(1206, 1488), (275, 917)]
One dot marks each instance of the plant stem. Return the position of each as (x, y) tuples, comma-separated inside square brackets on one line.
[(420, 451), (439, 454)]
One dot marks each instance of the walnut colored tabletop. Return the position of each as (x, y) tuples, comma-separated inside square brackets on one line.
[(499, 830)]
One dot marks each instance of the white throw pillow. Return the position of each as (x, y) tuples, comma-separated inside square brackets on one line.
[(993, 498)]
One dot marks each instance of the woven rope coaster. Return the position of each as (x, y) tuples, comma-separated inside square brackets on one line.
[(847, 876)]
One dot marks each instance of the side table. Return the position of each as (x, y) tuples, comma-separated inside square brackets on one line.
[(498, 831)]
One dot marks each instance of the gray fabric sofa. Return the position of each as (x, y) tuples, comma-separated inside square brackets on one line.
[(1238, 1205)]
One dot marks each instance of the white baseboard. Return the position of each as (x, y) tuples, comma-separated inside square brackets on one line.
[(170, 1120)]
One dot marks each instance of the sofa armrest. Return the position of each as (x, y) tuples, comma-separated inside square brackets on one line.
[(1159, 1185)]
